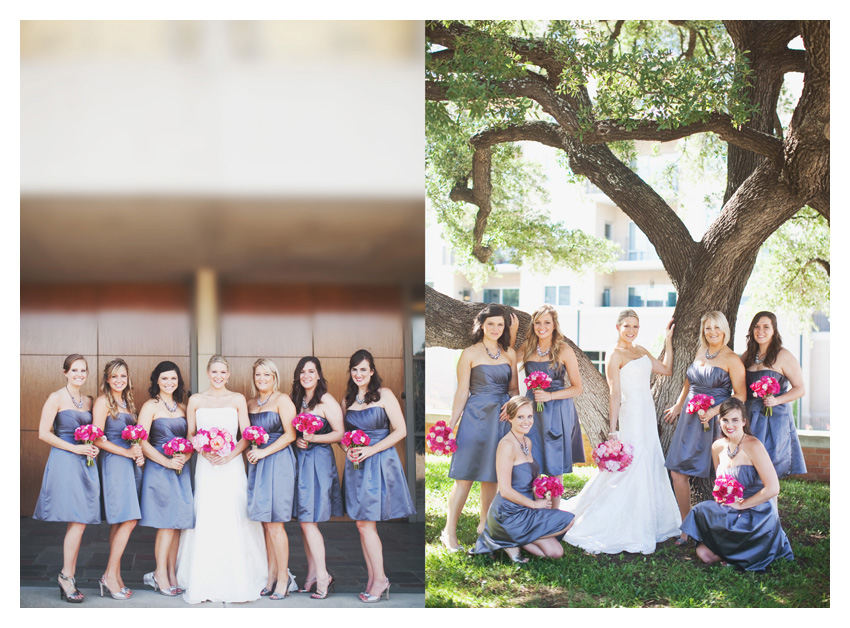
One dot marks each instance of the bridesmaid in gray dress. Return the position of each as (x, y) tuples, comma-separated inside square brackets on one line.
[(121, 469), (70, 489), (317, 491), (378, 490), (765, 356), (486, 379), (166, 500), (271, 472), (716, 371)]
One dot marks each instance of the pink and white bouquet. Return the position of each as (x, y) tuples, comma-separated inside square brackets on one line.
[(214, 441), (613, 455), (552, 486), (355, 438), (256, 434), (307, 423), (177, 445), (441, 440), (88, 434), (727, 490), (700, 402), (767, 386), (538, 379), (134, 434)]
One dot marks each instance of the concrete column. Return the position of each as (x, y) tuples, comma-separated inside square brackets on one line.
[(207, 326)]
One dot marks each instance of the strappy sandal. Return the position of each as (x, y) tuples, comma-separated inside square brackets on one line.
[(75, 596), (321, 595)]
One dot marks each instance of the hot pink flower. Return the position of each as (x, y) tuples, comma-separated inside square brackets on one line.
[(700, 402), (355, 438), (441, 440), (257, 435), (767, 386), (538, 379), (613, 455), (177, 446), (88, 434), (727, 489)]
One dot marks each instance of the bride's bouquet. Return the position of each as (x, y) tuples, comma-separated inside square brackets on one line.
[(441, 440), (256, 435), (767, 386), (700, 402), (552, 486), (177, 445), (215, 441), (88, 434), (613, 455), (727, 490), (538, 379)]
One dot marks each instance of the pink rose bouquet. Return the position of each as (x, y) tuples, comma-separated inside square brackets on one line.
[(441, 440), (177, 445), (538, 379), (613, 455), (767, 386), (87, 434), (134, 434), (257, 435), (727, 490), (215, 441), (307, 423), (697, 403), (552, 486), (355, 438)]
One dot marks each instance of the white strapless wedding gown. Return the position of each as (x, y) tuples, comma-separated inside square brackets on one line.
[(223, 558), (628, 511)]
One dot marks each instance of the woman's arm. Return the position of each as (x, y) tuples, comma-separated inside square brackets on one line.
[(397, 432), (672, 413), (767, 474), (716, 447), (612, 374), (464, 372), (100, 412), (45, 430), (241, 406), (791, 369), (513, 386), (570, 363)]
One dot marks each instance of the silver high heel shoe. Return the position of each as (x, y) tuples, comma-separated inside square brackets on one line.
[(290, 586), (371, 599), (150, 580), (123, 594), (75, 596)]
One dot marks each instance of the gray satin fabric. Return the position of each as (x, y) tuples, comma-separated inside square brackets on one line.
[(777, 431), (318, 495), (750, 539), (271, 482), (70, 490), (556, 434), (690, 448), (512, 525), (121, 477), (167, 500), (377, 491), (480, 429)]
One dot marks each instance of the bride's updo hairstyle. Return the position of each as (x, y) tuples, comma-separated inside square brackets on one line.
[(514, 404), (490, 311), (626, 314), (217, 358), (730, 405), (559, 341)]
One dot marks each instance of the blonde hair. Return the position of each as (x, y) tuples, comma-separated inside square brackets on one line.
[(514, 404), (626, 314), (272, 369), (127, 394), (718, 318), (559, 341), (217, 358)]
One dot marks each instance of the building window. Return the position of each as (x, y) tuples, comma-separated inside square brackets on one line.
[(653, 295), (465, 296), (609, 231), (505, 296), (606, 297), (640, 248), (557, 295), (598, 359)]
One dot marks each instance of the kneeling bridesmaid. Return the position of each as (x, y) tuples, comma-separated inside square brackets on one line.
[(516, 519)]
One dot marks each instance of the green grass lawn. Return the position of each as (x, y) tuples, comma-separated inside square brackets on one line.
[(671, 577)]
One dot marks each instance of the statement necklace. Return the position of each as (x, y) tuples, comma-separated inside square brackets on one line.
[(712, 355), (174, 409), (493, 357), (74, 401), (121, 404), (260, 404), (732, 454), (360, 400), (522, 446), (543, 354), (759, 358), (304, 404)]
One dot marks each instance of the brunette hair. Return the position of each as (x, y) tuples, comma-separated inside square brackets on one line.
[(731, 404), (158, 370), (298, 392), (488, 312), (514, 404), (126, 394), (373, 390), (66, 365), (773, 349), (272, 368), (559, 341)]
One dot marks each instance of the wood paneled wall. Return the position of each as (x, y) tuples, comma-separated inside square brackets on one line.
[(142, 323), (285, 323)]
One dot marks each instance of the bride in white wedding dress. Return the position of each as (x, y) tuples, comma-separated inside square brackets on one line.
[(223, 558), (631, 510)]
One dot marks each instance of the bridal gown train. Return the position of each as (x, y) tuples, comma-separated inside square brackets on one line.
[(631, 510), (223, 558)]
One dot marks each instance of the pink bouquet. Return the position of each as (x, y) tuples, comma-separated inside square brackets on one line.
[(257, 435), (355, 438), (441, 440), (613, 455), (177, 445), (767, 386), (307, 423), (727, 490), (552, 486), (135, 434), (88, 434), (538, 379), (700, 402), (214, 440)]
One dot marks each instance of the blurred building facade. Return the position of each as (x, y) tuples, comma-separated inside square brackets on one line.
[(246, 188)]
